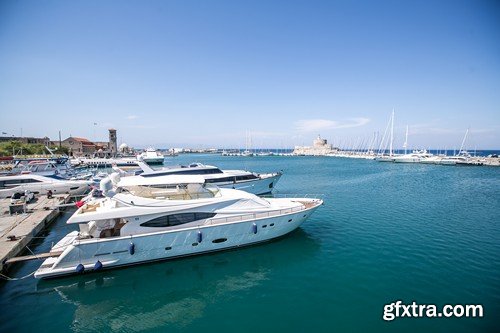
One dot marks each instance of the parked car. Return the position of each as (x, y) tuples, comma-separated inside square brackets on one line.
[(20, 197)]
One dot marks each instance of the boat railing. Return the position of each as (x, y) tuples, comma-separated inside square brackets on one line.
[(254, 216), (294, 195)]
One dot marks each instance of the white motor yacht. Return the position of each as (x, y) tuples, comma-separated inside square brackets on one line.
[(9, 185), (385, 158), (151, 156), (435, 159), (463, 158), (150, 219), (415, 157), (48, 168), (236, 179)]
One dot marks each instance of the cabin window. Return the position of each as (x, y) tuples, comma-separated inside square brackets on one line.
[(158, 222), (246, 177), (14, 182), (220, 180), (181, 218), (176, 219), (29, 180), (18, 181)]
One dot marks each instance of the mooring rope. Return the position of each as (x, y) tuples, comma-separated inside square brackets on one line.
[(5, 277)]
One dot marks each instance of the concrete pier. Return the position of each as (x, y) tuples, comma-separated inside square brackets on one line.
[(17, 231), (490, 161)]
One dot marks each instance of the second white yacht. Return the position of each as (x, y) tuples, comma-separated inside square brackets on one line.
[(251, 182)]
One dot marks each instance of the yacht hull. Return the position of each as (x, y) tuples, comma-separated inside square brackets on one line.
[(166, 245), (384, 159), (407, 160), (76, 188)]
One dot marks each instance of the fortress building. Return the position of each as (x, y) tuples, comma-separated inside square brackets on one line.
[(320, 147)]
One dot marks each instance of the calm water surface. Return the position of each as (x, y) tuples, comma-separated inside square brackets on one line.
[(387, 232)]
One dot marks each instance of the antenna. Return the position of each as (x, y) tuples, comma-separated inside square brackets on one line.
[(392, 133)]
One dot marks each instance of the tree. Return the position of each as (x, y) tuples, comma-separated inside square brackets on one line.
[(13, 147)]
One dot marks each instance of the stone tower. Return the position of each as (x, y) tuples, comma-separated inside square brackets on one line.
[(319, 142), (112, 142)]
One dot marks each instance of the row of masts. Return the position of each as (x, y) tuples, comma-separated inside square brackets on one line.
[(387, 141)]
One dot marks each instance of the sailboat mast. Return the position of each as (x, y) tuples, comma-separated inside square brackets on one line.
[(405, 145), (463, 142), (392, 133)]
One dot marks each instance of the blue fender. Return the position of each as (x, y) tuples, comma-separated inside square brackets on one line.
[(80, 268), (98, 265)]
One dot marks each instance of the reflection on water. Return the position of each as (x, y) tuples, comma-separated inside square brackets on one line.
[(174, 293)]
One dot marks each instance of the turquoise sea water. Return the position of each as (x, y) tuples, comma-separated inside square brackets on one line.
[(387, 232)]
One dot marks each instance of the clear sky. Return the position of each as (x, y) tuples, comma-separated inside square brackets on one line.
[(203, 73)]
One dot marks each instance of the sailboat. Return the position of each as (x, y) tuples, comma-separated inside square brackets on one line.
[(382, 157), (462, 158), (415, 156), (248, 145)]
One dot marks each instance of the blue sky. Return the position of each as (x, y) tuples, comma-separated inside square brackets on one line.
[(203, 73)]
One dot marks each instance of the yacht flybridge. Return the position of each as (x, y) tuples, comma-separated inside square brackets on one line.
[(236, 179), (168, 217)]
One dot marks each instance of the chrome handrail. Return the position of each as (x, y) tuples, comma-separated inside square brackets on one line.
[(254, 216), (278, 195)]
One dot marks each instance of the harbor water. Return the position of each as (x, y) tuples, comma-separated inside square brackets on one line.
[(387, 232)]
